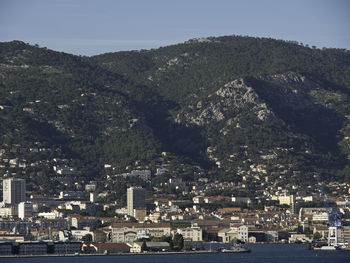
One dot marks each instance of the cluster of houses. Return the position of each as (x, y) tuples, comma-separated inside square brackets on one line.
[(68, 223), (61, 230)]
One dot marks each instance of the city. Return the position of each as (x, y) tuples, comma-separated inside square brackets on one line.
[(83, 222), (174, 131)]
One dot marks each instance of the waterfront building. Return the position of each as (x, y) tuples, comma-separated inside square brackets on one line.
[(105, 248), (32, 248), (67, 247), (14, 191), (193, 233), (136, 247), (239, 232), (135, 199), (129, 232), (5, 248)]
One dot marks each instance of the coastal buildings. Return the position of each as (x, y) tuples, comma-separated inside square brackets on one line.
[(207, 211)]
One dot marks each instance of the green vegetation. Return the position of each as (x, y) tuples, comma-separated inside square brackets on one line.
[(127, 107), (178, 242), (87, 238)]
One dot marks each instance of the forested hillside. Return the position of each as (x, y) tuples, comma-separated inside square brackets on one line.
[(233, 106)]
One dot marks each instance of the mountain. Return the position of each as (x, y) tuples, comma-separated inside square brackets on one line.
[(233, 106)]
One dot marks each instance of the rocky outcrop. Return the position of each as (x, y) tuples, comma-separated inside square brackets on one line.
[(228, 102)]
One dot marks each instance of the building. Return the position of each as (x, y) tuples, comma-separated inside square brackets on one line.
[(285, 199), (12, 238), (239, 232), (198, 199), (8, 211), (296, 238), (323, 216), (32, 248), (93, 197), (140, 214), (136, 247), (135, 199), (14, 191), (77, 235), (304, 211), (5, 248), (193, 233), (79, 222), (241, 200), (321, 229), (271, 236), (91, 187), (66, 247), (142, 174), (25, 210), (129, 232), (105, 248)]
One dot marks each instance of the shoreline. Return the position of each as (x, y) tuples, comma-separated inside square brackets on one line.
[(112, 254)]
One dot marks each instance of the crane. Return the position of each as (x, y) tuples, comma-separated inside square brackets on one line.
[(334, 218)]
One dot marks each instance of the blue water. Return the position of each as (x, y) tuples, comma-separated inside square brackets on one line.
[(260, 254)]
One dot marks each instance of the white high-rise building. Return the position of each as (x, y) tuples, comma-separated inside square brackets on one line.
[(25, 209), (14, 191), (135, 199), (93, 197)]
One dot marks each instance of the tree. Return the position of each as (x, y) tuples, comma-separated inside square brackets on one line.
[(87, 238), (317, 236), (144, 246), (178, 241), (188, 247)]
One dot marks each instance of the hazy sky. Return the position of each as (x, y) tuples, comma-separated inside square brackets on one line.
[(88, 27)]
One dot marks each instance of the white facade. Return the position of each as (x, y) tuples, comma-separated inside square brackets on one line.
[(93, 197), (25, 210), (51, 215), (14, 191), (135, 199), (234, 232), (191, 233), (243, 233)]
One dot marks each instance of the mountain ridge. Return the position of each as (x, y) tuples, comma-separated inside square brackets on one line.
[(220, 104)]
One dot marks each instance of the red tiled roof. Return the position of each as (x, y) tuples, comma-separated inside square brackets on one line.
[(140, 225)]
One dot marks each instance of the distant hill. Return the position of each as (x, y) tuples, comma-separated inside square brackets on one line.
[(232, 105)]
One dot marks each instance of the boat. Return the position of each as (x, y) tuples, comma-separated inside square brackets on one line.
[(328, 248), (236, 248)]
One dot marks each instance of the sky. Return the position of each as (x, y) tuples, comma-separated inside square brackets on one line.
[(87, 27)]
